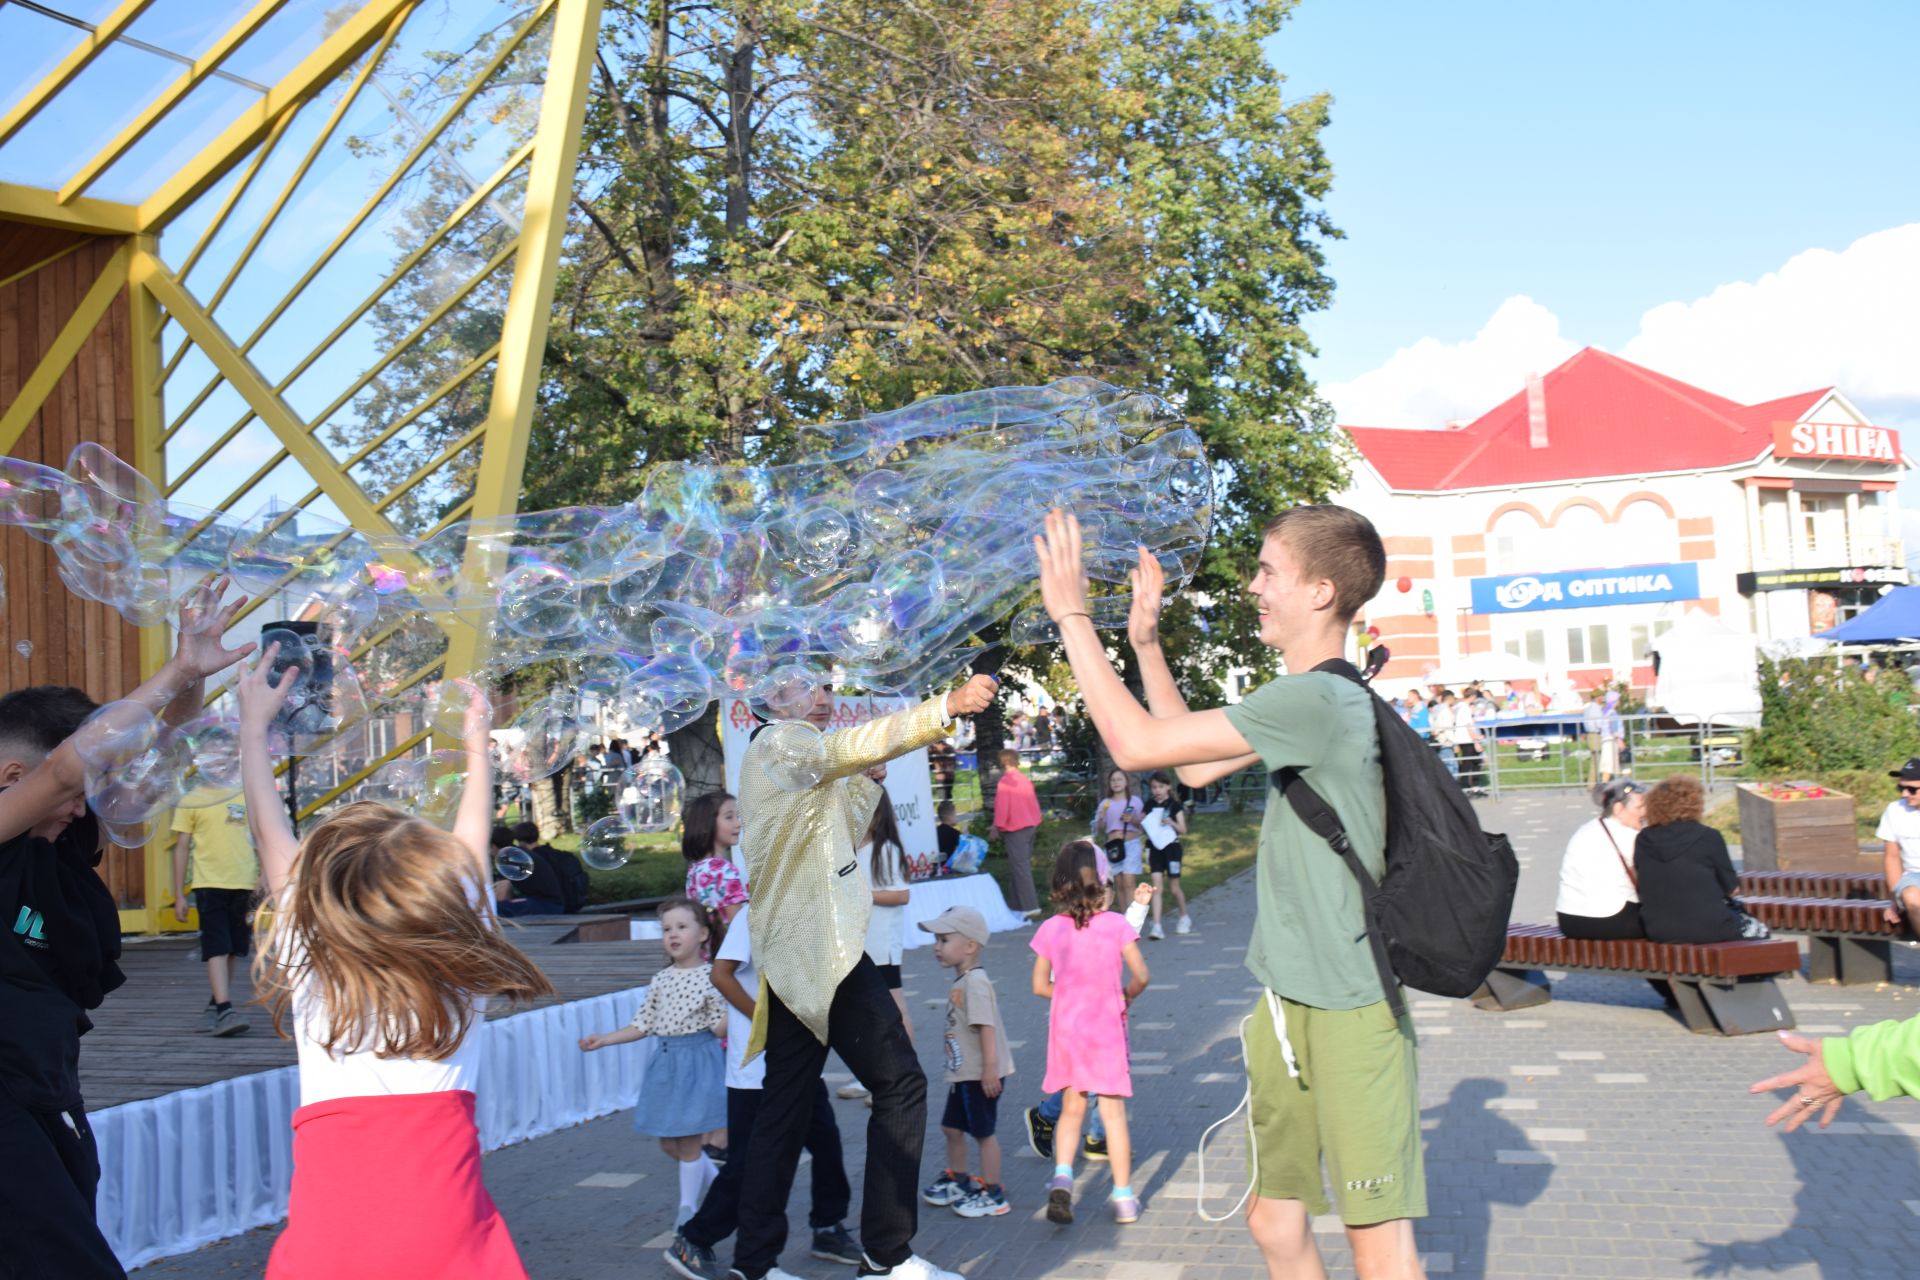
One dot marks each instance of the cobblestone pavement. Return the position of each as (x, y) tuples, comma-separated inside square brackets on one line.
[(1590, 1137)]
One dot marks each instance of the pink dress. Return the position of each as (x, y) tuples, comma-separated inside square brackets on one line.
[(1087, 1027), (715, 884)]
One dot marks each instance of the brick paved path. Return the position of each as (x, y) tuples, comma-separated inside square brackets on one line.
[(1591, 1137)]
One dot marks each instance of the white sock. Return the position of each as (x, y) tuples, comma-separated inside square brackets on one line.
[(708, 1172), (692, 1186)]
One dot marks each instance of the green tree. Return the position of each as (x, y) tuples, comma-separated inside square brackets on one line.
[(1816, 719)]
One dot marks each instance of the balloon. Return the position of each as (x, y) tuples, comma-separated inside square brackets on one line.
[(1405, 584)]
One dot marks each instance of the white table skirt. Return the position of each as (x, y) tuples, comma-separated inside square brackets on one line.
[(928, 898), (188, 1168)]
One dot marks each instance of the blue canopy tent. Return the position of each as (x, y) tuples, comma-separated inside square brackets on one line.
[(1896, 617)]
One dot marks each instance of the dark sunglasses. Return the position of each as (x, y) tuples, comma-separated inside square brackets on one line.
[(1909, 788)]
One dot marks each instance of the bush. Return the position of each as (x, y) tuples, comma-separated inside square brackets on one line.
[(1818, 721)]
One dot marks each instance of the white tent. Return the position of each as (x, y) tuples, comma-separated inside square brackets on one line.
[(1707, 672), (1484, 668)]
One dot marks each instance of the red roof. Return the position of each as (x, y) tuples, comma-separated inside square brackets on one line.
[(1605, 417)]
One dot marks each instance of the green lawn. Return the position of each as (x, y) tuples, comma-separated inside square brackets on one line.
[(1218, 846)]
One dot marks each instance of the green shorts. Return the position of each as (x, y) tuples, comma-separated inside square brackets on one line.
[(1356, 1102)]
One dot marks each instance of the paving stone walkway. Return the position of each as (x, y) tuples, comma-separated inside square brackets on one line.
[(1591, 1137)]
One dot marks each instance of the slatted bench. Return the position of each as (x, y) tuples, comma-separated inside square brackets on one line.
[(1849, 941), (1844, 885), (1722, 988)]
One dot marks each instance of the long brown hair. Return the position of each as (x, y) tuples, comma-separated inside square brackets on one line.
[(1076, 883), (380, 918), (884, 830), (698, 824)]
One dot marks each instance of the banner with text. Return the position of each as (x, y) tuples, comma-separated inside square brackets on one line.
[(1586, 588)]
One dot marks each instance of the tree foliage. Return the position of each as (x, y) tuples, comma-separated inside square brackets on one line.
[(1819, 720)]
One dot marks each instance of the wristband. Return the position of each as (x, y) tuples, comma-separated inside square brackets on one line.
[(1077, 613)]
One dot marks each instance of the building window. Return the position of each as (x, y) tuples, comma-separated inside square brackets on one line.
[(1513, 545), (1823, 525), (1530, 644), (1641, 635), (1587, 646)]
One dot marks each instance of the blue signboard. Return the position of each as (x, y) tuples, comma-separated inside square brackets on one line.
[(1586, 588)]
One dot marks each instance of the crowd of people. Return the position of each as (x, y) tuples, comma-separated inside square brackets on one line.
[(383, 955)]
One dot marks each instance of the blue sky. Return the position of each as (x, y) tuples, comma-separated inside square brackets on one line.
[(1605, 160)]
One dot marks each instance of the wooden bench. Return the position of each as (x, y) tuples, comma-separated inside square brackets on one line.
[(1844, 885), (1722, 988), (1849, 940)]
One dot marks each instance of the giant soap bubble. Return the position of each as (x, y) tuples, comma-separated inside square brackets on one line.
[(875, 556)]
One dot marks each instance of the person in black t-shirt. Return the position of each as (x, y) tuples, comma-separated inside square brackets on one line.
[(568, 875), (1164, 860), (60, 947), (948, 832)]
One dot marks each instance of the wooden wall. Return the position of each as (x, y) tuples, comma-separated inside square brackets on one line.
[(73, 641)]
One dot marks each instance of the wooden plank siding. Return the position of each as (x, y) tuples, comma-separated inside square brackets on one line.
[(73, 641)]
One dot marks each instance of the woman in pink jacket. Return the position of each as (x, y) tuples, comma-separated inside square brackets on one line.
[(1016, 816)]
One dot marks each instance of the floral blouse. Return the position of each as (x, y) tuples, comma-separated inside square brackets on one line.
[(716, 884), (681, 1002)]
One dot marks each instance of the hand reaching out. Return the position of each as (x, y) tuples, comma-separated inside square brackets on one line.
[(589, 1043), (1149, 584), (1063, 579), (973, 697), (1143, 894), (201, 650), (476, 723), (1813, 1089), (260, 698)]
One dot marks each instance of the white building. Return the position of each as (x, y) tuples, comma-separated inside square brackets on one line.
[(1577, 520)]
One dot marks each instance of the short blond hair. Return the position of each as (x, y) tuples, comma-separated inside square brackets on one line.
[(1337, 545)]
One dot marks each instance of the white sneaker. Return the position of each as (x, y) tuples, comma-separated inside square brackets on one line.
[(1185, 925), (914, 1268), (1155, 932), (851, 1091)]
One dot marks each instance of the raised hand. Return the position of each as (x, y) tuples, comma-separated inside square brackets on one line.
[(1149, 584), (1063, 579), (1813, 1089), (260, 698), (476, 723), (202, 650), (973, 697)]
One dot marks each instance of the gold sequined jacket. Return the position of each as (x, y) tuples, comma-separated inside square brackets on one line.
[(810, 904)]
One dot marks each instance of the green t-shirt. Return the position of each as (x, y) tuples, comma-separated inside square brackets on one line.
[(1309, 938)]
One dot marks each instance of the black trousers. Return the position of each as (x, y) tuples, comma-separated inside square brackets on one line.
[(49, 1169), (865, 1029), (719, 1214), (1624, 923)]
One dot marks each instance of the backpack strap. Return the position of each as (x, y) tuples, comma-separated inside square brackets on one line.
[(1320, 818)]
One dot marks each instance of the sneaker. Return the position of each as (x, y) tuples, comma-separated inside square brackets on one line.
[(1185, 925), (695, 1262), (914, 1268), (1126, 1209), (836, 1244), (716, 1154), (1155, 933), (1060, 1200), (212, 1016), (775, 1274), (228, 1022), (852, 1091), (987, 1202), (948, 1190), (1094, 1148), (1039, 1133)]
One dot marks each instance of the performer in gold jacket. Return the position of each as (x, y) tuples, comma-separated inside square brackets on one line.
[(803, 805)]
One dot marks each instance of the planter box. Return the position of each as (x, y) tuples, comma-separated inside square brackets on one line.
[(1798, 835)]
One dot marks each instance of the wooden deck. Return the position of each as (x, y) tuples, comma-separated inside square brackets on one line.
[(147, 1038)]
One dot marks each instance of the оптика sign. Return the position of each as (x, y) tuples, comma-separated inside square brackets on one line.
[(1586, 588)]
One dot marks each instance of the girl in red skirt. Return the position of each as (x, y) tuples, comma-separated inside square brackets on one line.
[(382, 956)]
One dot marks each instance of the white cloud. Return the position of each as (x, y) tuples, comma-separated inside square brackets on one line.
[(1430, 382), (1849, 319)]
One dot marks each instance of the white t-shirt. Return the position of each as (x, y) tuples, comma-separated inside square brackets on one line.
[(739, 946), (1440, 724), (1592, 881), (886, 927), (1902, 824), (325, 1076)]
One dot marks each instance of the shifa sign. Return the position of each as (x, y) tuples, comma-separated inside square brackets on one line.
[(1586, 588), (1835, 440)]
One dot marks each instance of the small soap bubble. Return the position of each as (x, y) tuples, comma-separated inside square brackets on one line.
[(608, 844), (513, 864), (660, 789)]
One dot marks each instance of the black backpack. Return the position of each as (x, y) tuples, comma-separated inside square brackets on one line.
[(1438, 918), (573, 879)]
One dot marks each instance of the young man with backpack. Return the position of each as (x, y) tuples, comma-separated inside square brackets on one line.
[(1330, 1054)]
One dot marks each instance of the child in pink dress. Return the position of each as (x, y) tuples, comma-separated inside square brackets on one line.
[(1078, 954), (708, 832)]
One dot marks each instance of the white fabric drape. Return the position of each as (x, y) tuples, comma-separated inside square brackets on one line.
[(928, 898), (188, 1168)]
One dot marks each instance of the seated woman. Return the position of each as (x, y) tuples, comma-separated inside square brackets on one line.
[(1686, 877), (1599, 897)]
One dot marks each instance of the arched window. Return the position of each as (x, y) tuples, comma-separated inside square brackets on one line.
[(1580, 539), (1645, 534), (1513, 545)]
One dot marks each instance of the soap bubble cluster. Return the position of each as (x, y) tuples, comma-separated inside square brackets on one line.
[(875, 558)]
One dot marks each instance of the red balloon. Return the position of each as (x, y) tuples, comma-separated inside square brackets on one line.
[(1405, 584), (1373, 633)]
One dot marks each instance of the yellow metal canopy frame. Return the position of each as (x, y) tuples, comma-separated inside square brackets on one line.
[(275, 344)]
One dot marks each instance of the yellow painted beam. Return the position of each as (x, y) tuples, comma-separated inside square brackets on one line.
[(150, 115), (66, 345), (253, 387), (70, 66), (43, 208), (314, 73), (523, 336)]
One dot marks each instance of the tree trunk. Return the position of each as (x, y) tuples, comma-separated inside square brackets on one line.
[(990, 726), (697, 754), (552, 812)]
